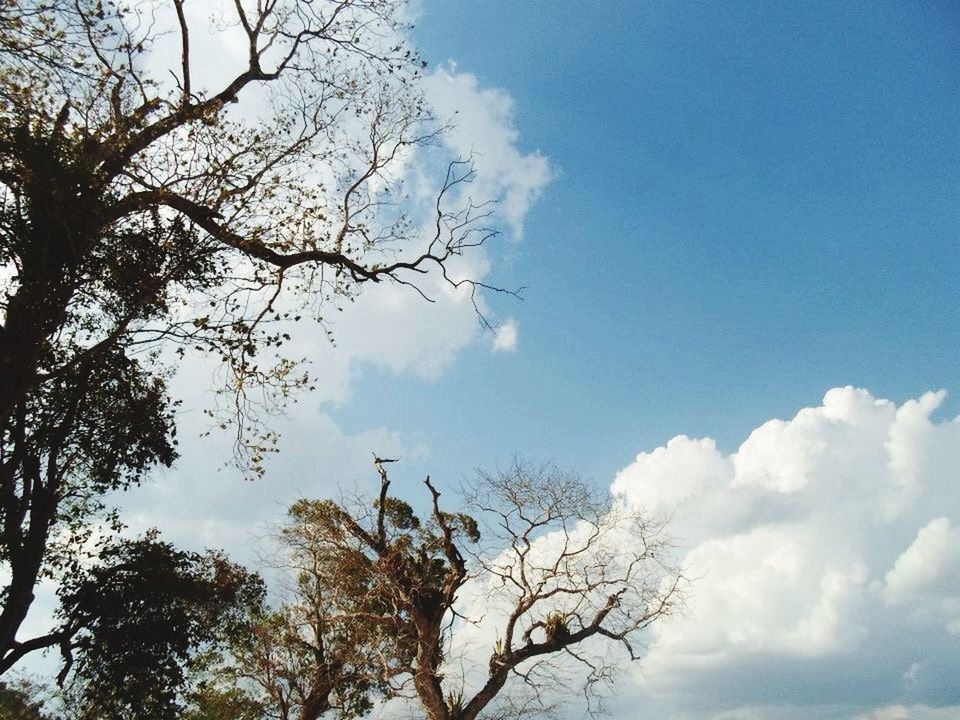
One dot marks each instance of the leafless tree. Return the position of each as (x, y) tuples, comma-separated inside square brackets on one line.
[(565, 569)]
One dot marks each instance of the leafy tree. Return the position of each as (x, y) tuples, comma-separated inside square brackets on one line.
[(67, 443), (566, 568), (144, 622), (322, 652), (211, 702), (147, 208), (18, 702)]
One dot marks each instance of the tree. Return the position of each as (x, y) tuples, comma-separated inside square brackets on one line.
[(211, 702), (564, 569), (295, 667), (69, 442), (19, 701), (144, 622), (146, 208), (317, 653)]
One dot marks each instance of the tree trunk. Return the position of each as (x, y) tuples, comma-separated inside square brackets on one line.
[(26, 561), (426, 680), (494, 685), (50, 256), (317, 701)]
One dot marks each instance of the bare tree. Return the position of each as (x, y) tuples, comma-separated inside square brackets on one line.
[(152, 202), (565, 570)]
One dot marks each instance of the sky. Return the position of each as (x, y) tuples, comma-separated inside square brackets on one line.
[(736, 227)]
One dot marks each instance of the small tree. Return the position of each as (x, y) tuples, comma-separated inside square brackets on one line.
[(566, 567), (213, 702), (330, 648)]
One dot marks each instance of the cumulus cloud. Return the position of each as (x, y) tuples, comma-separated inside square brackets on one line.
[(827, 552), (392, 328), (927, 574), (198, 504)]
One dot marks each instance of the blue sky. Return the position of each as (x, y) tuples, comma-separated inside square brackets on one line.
[(731, 212), (755, 202)]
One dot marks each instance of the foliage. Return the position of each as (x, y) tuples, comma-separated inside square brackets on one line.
[(327, 649), (210, 702), (95, 428), (18, 702), (146, 619)]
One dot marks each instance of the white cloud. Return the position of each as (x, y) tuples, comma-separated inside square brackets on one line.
[(505, 337), (809, 543), (829, 712), (485, 127), (927, 575), (930, 565), (393, 328), (200, 503)]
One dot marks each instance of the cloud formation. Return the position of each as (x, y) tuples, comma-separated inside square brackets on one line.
[(826, 551)]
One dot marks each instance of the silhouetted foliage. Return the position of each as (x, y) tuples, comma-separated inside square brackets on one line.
[(147, 210), (147, 618), (18, 701), (95, 428)]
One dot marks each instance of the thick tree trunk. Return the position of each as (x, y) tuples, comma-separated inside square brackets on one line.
[(483, 698), (34, 314), (50, 257), (26, 555), (317, 701), (426, 679)]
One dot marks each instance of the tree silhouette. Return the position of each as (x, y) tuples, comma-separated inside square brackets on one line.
[(152, 203)]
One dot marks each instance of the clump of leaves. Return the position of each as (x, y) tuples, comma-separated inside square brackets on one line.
[(146, 617), (556, 626)]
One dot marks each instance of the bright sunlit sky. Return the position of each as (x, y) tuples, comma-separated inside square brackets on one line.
[(724, 214), (753, 202)]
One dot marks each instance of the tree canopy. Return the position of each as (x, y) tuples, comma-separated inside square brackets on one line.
[(154, 203), (18, 702), (141, 625)]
